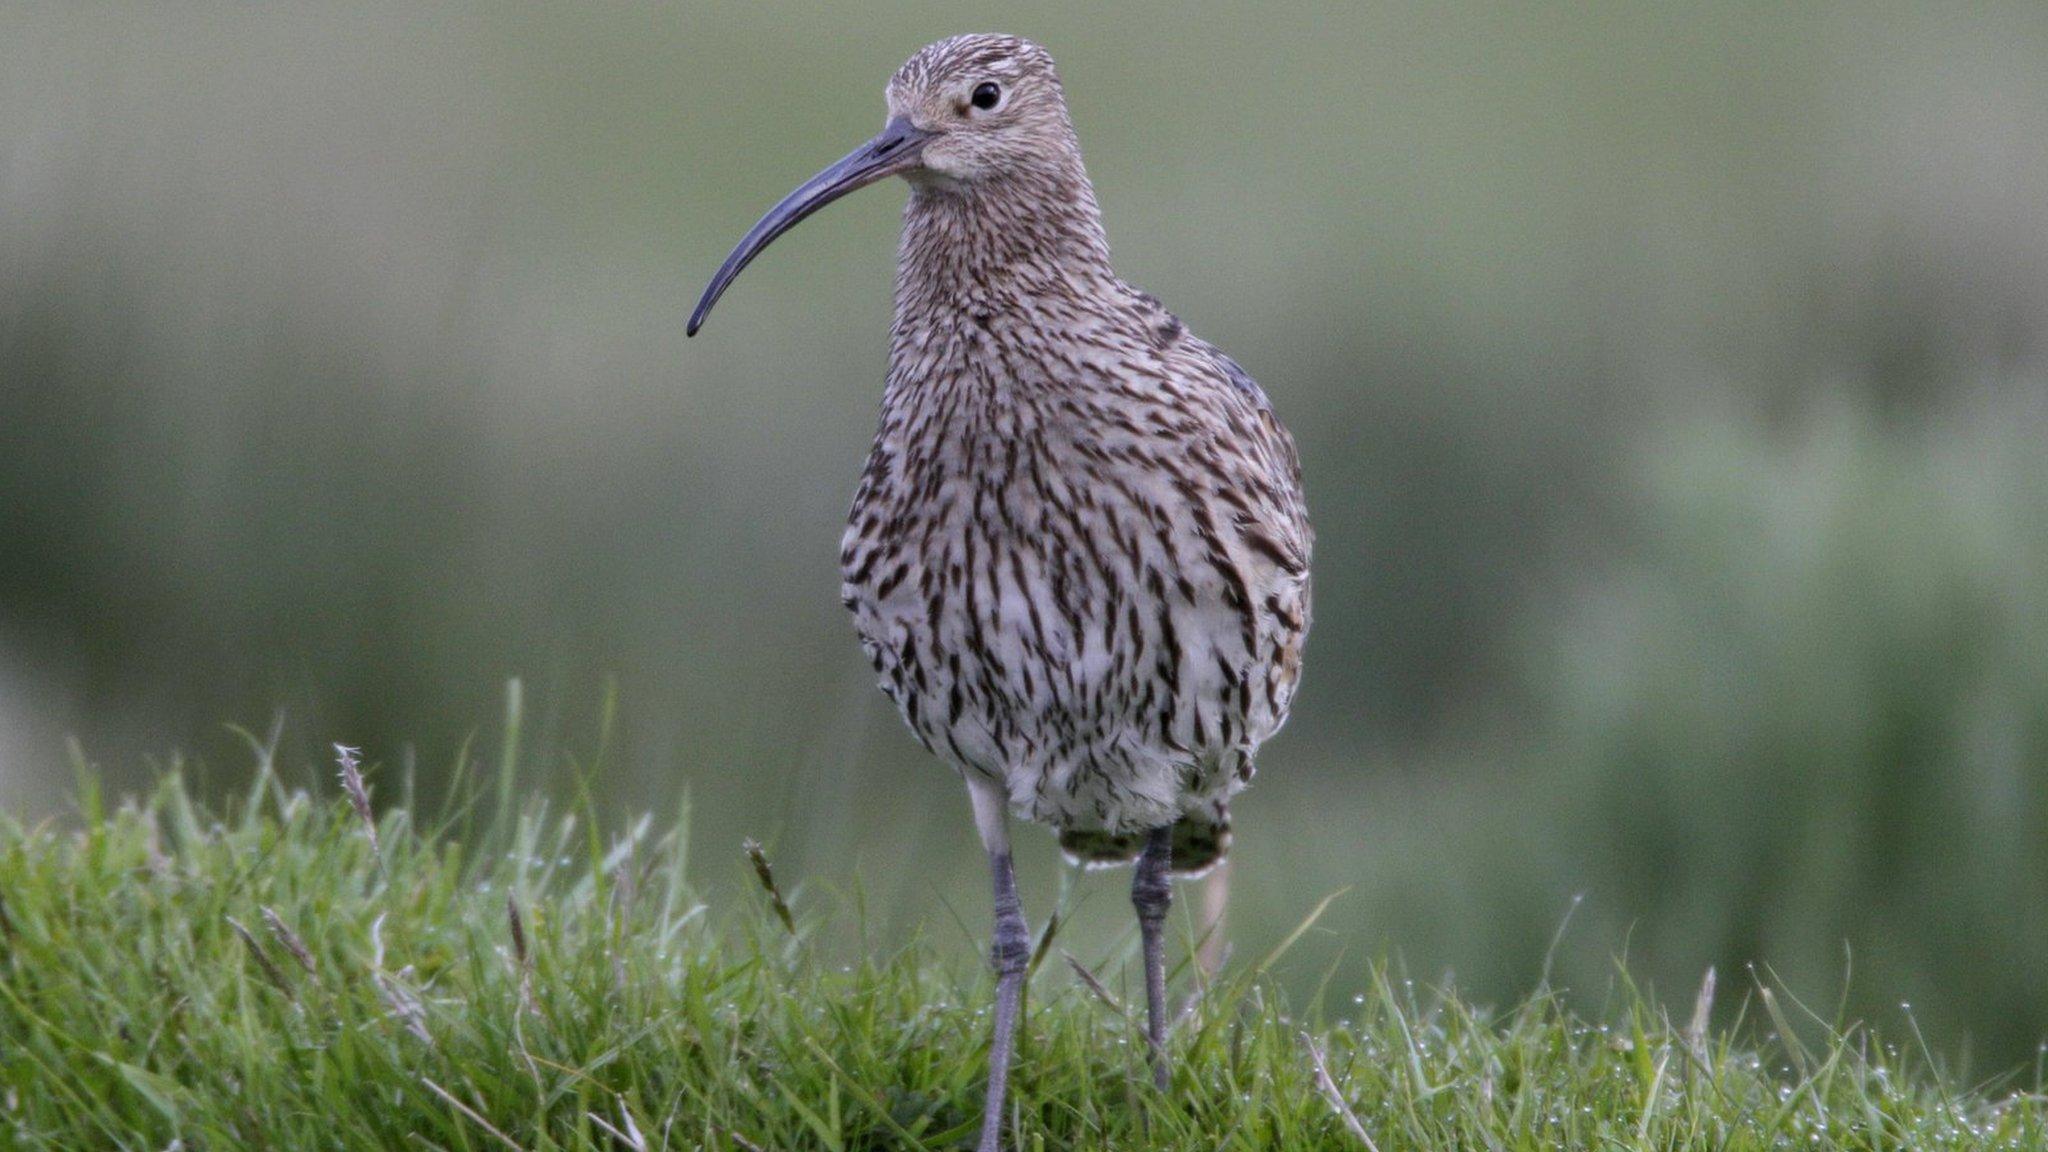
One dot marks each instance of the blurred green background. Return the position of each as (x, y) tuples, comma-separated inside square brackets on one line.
[(1672, 383)]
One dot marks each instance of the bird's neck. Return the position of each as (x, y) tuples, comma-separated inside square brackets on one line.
[(999, 244)]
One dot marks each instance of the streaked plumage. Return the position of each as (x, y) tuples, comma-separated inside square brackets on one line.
[(1078, 557)]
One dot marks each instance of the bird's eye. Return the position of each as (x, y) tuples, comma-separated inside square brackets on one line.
[(987, 95)]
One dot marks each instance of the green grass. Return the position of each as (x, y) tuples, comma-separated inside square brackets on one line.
[(263, 976)]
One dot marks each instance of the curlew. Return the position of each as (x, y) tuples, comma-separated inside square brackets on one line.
[(1078, 557)]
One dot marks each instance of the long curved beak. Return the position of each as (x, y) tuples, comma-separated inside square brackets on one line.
[(896, 149)]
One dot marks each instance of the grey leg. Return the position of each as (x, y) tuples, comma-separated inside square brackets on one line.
[(1010, 953), (1215, 906), (1152, 895)]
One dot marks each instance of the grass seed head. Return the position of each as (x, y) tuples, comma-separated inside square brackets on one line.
[(358, 793), (767, 877), (289, 939)]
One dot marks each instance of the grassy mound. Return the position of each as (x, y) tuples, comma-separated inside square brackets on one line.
[(285, 974)]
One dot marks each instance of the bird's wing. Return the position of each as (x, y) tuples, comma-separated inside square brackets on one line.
[(1271, 441)]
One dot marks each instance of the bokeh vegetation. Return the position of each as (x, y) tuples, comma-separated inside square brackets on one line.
[(1671, 382)]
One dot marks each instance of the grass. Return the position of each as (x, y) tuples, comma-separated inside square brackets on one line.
[(271, 975)]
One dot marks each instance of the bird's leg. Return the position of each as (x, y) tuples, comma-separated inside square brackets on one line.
[(1215, 906), (1010, 953), (1152, 895)]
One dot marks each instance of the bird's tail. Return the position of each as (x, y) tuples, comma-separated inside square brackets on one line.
[(1201, 840)]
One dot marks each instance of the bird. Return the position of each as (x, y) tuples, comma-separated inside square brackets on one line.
[(1078, 555)]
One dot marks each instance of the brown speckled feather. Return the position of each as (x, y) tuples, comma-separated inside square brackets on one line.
[(1079, 556)]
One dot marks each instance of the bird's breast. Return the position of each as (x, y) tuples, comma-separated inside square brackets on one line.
[(1047, 562)]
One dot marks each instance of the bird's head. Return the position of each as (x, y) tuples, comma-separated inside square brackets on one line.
[(991, 107), (963, 112)]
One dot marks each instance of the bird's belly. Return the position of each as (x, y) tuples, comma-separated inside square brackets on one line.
[(1095, 706), (992, 677)]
